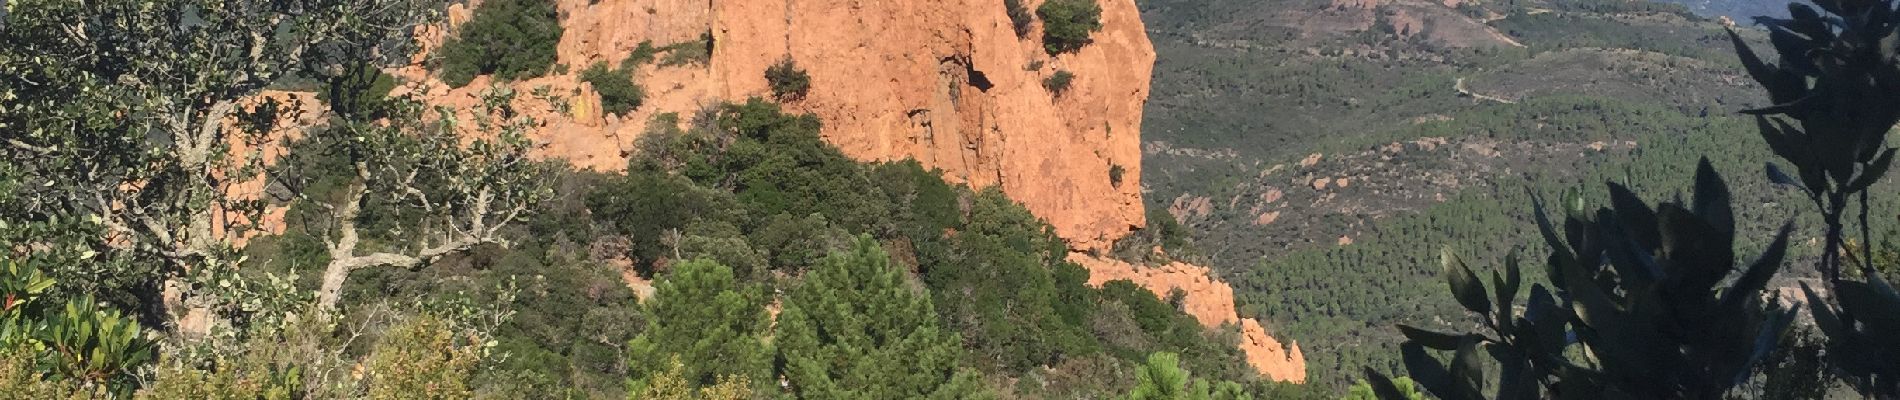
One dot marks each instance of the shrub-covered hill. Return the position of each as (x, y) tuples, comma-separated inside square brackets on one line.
[(753, 192), (1321, 153)]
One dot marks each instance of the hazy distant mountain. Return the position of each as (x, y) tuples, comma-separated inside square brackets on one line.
[(1740, 10)]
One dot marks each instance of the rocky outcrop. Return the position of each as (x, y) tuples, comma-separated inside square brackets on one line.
[(945, 82), (1211, 302)]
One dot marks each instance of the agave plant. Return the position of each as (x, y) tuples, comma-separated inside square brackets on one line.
[(1633, 311)]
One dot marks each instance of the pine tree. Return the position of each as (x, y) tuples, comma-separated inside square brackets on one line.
[(856, 329), (705, 321), (1160, 379)]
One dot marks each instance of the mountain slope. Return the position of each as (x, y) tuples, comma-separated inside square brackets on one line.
[(1323, 152), (949, 84)]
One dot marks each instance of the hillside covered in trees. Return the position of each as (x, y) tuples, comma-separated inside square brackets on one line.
[(255, 200), (1321, 154), (1528, 199)]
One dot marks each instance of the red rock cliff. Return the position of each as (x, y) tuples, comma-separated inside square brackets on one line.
[(1211, 302), (946, 82)]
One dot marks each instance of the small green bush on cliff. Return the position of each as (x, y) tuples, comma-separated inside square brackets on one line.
[(508, 38), (788, 81), (1067, 24), (1018, 17), (1059, 82), (618, 93)]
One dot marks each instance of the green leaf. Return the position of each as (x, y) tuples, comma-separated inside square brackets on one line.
[(1593, 306), (1872, 172), (1548, 230), (1503, 305), (1781, 178), (1712, 198), (1383, 386), (1639, 221), (1426, 371), (1784, 140), (1467, 370), (1881, 286), (1513, 277), (1573, 202), (1824, 316), (1430, 339), (1762, 72), (1867, 305), (1464, 284), (1756, 277)]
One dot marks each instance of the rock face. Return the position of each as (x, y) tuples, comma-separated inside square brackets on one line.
[(945, 82), (1211, 302)]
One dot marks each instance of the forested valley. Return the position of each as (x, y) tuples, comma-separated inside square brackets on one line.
[(1327, 172)]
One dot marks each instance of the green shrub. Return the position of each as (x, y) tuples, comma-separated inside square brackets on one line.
[(688, 52), (642, 54), (1067, 24), (618, 93), (20, 379), (423, 358), (1018, 17), (854, 327), (707, 326), (369, 101), (508, 38), (787, 80), (1059, 82)]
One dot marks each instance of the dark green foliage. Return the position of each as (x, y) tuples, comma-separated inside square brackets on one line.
[(618, 93), (712, 322), (855, 328), (933, 205), (1343, 299), (788, 82), (1401, 388), (511, 39), (364, 92), (778, 165), (1836, 97), (573, 316), (1003, 283), (695, 52), (1860, 326), (77, 341), (1019, 18), (1115, 175), (646, 204), (1172, 236), (1636, 286), (1162, 378), (995, 273), (1796, 370), (1067, 24), (641, 55), (1059, 82)]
